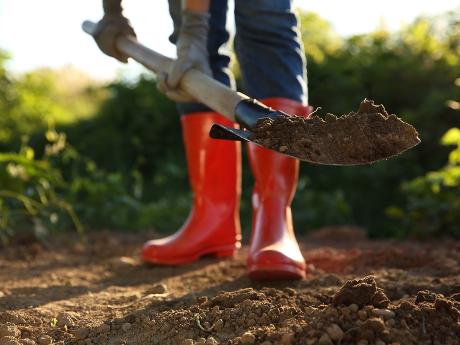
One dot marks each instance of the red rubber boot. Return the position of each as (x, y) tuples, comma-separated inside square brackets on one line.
[(213, 226), (274, 252)]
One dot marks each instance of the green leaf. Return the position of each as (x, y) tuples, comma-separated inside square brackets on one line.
[(451, 137), (454, 157), (395, 212)]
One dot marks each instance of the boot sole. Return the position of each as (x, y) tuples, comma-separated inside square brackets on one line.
[(218, 252), (276, 272)]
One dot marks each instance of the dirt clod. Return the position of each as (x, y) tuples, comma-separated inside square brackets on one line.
[(361, 292), (81, 333), (9, 341), (158, 289), (66, 319), (9, 330), (426, 296), (367, 135)]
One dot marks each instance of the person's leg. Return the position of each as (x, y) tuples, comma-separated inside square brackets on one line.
[(269, 50), (214, 166), (272, 64)]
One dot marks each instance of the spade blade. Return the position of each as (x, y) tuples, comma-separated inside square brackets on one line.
[(363, 137)]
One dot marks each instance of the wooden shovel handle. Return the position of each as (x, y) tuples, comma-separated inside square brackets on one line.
[(206, 90)]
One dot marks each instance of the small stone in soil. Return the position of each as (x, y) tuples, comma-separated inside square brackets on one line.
[(335, 332), (325, 340), (248, 338), (45, 340), (362, 315), (376, 324), (353, 307), (201, 341), (385, 313), (211, 341), (219, 325), (390, 322), (65, 319)]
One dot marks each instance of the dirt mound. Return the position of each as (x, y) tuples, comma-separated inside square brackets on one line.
[(284, 316), (361, 137), (68, 293)]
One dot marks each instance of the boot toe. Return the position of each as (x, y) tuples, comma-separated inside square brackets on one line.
[(152, 252), (167, 253), (270, 264), (161, 251)]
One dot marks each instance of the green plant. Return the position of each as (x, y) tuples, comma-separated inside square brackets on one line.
[(411, 73), (433, 200), (54, 322), (29, 192)]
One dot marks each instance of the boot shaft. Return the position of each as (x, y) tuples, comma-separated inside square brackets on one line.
[(214, 166), (276, 174)]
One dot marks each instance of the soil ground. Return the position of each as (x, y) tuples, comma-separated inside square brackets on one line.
[(101, 293)]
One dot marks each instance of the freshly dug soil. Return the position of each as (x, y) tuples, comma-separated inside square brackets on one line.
[(357, 292), (361, 137)]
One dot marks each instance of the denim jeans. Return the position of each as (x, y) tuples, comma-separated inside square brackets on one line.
[(267, 45)]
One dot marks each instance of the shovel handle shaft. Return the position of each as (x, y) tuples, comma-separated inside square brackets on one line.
[(206, 90)]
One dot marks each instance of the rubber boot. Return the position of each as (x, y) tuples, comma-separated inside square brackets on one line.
[(274, 252), (213, 225)]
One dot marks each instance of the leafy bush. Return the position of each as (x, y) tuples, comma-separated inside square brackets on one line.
[(32, 101), (433, 200), (411, 73), (314, 208), (64, 189), (30, 193)]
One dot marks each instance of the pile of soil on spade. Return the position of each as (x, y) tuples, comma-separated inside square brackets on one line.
[(361, 137)]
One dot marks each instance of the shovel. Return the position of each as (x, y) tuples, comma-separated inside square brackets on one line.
[(235, 106)]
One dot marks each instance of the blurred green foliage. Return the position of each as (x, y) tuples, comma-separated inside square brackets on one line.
[(30, 192), (412, 73), (32, 101), (432, 205), (125, 167)]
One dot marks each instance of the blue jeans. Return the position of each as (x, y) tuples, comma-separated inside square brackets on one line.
[(267, 45)]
